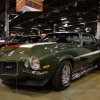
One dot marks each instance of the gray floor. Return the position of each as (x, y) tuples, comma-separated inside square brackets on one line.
[(85, 88)]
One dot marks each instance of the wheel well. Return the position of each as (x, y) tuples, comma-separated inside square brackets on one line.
[(69, 59), (72, 62)]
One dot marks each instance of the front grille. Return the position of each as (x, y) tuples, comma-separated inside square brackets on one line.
[(8, 68)]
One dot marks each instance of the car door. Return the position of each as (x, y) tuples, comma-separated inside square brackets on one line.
[(90, 49)]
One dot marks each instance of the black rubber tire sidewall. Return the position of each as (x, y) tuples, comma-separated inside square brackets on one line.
[(56, 79)]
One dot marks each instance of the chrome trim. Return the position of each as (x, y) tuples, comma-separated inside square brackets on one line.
[(88, 54), (82, 72), (66, 74), (35, 72)]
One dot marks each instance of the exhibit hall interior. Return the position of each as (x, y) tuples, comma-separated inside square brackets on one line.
[(50, 49)]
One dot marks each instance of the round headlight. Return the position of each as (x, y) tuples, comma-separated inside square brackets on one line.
[(26, 64), (35, 63)]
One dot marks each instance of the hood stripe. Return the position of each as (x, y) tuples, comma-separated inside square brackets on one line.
[(32, 45)]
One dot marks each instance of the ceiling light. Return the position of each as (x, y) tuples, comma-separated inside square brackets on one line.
[(66, 25), (80, 18), (82, 23), (86, 28), (13, 14), (77, 28), (70, 25), (66, 8), (75, 4), (84, 12), (1, 25), (9, 20), (63, 18), (48, 29), (34, 28), (39, 25), (31, 20), (51, 21), (60, 27), (17, 27)]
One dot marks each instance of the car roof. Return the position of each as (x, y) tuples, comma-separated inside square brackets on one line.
[(71, 33), (32, 36)]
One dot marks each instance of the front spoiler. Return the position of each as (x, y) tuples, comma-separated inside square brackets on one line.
[(30, 82)]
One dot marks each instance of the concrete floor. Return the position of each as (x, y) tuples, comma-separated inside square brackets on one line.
[(85, 88)]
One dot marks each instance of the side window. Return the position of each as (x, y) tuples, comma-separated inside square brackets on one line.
[(73, 39), (87, 39)]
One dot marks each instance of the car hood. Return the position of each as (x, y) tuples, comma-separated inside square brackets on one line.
[(36, 49)]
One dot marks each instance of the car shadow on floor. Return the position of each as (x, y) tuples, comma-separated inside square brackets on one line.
[(25, 89)]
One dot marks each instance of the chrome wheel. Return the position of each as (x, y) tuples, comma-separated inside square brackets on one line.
[(62, 76), (66, 74)]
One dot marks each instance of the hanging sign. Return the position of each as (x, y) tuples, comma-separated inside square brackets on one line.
[(29, 5)]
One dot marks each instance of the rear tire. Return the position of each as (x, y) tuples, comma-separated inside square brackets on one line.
[(62, 77)]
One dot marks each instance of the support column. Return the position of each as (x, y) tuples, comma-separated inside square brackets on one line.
[(6, 28), (54, 28), (97, 36)]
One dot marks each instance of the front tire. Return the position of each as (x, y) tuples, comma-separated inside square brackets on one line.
[(62, 77)]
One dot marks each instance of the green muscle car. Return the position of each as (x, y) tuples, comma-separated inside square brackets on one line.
[(59, 57)]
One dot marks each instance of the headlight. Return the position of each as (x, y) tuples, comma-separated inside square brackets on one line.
[(26, 64), (35, 63)]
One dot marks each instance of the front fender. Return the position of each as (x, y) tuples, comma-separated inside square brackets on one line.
[(65, 57)]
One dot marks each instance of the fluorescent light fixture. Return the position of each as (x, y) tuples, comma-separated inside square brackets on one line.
[(13, 14), (75, 4), (1, 25), (86, 28), (34, 28), (9, 20), (48, 29), (66, 25), (82, 23), (70, 25), (77, 28), (63, 18)]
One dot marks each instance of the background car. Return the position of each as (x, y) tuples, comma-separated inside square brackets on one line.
[(19, 40), (59, 58)]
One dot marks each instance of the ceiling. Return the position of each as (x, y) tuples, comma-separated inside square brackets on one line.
[(57, 15)]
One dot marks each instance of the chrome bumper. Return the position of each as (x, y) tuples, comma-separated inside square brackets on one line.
[(35, 72)]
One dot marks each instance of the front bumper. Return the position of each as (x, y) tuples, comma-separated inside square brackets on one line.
[(13, 71), (35, 72), (30, 82)]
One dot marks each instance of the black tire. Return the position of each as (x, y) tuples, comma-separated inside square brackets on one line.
[(60, 80)]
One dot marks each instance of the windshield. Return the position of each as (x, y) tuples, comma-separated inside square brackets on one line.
[(29, 39), (8, 39), (61, 38), (16, 38)]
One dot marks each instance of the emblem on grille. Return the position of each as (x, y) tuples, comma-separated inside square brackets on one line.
[(8, 67)]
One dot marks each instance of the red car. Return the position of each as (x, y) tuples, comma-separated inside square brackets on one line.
[(23, 40)]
